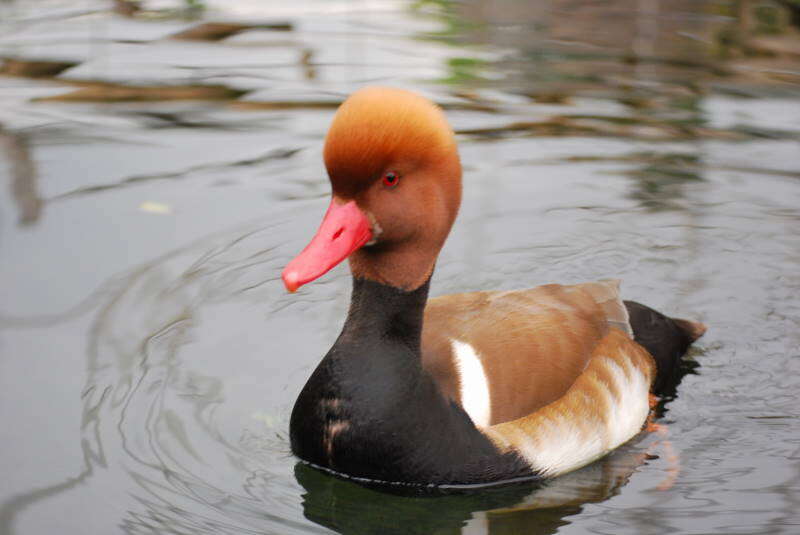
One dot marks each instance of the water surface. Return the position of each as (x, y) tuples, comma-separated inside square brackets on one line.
[(150, 356)]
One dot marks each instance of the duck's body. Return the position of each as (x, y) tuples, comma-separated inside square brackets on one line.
[(473, 388)]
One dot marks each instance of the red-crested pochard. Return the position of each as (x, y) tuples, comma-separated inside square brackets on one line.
[(473, 388)]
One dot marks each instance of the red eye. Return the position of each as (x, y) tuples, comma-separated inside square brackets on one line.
[(390, 179)]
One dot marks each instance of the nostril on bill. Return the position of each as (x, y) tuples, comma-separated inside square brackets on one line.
[(337, 233)]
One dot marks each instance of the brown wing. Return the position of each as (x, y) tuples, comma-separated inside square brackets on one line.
[(532, 344), (605, 407)]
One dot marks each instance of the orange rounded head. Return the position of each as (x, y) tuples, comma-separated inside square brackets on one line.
[(396, 178)]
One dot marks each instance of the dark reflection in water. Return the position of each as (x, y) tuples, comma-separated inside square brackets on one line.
[(655, 56), (661, 178), (349, 508), (23, 175)]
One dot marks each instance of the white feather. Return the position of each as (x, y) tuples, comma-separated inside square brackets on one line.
[(475, 397), (561, 444)]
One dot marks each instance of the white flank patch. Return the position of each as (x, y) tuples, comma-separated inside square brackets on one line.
[(566, 441), (474, 386), (633, 407), (561, 445)]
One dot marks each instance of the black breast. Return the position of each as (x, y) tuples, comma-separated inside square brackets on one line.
[(369, 410)]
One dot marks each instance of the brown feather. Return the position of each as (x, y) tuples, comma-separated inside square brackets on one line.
[(587, 413), (533, 344)]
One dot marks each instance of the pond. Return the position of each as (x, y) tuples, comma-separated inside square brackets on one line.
[(161, 170)]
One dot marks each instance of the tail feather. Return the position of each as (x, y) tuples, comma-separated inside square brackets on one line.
[(694, 329), (665, 338)]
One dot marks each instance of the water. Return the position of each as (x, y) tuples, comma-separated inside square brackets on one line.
[(150, 356)]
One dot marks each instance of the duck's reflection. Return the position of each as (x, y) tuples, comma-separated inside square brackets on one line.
[(349, 508)]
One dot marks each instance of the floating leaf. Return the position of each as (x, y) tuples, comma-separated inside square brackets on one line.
[(155, 207)]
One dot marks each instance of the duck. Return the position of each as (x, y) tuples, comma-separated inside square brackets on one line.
[(471, 389)]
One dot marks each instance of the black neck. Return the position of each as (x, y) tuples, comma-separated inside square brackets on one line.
[(378, 311)]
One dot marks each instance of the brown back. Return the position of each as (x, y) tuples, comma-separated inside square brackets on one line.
[(533, 344)]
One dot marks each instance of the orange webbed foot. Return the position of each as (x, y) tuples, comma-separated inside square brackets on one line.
[(670, 455)]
